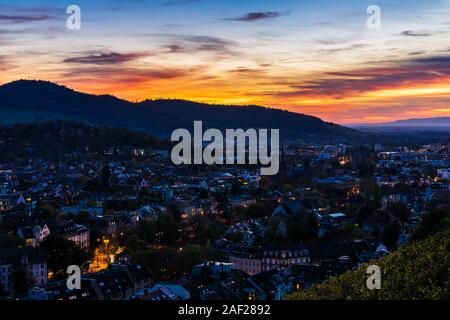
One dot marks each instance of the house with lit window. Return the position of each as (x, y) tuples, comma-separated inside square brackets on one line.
[(117, 282), (73, 232), (10, 201), (33, 235), (284, 255)]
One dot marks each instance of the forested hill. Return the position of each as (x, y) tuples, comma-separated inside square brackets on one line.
[(54, 137), (28, 101)]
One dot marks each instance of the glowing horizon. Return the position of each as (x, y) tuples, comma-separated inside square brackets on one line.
[(313, 58)]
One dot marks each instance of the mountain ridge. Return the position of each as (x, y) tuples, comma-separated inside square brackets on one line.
[(35, 100)]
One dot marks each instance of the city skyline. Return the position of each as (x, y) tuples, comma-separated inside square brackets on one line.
[(313, 58)]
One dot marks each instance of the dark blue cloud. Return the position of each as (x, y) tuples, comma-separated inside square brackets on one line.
[(103, 58), (255, 16)]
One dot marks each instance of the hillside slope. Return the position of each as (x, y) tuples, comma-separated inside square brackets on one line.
[(419, 271)]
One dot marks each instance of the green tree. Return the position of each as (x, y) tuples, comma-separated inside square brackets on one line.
[(10, 241), (62, 253), (390, 235), (83, 215), (158, 261), (175, 212), (167, 229), (134, 244), (106, 177), (189, 257), (21, 280), (277, 231), (259, 209), (366, 211), (46, 211), (400, 210), (146, 231), (432, 222), (205, 229), (302, 227)]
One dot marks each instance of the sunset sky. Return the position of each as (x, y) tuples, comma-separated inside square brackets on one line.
[(315, 57)]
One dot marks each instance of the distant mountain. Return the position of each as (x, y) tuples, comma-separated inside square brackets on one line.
[(28, 101), (417, 122), (422, 122)]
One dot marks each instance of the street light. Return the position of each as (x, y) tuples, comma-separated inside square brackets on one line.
[(106, 241)]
